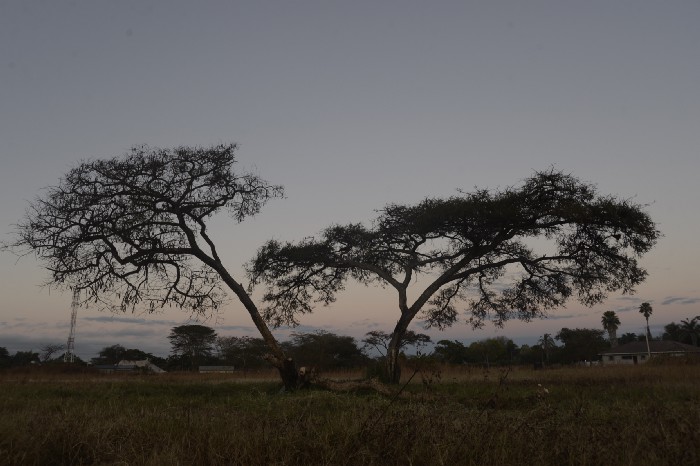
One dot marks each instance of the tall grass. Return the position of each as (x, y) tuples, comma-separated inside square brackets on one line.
[(579, 416)]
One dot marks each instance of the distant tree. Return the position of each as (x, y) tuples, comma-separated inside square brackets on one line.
[(5, 359), (581, 343), (492, 351), (131, 232), (473, 251), (672, 332), (242, 352), (646, 310), (529, 354), (451, 351), (110, 355), (325, 350), (25, 358), (380, 341), (546, 343), (629, 338), (690, 328), (611, 323), (50, 349), (193, 343)]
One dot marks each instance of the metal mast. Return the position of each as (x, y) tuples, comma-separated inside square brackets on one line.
[(69, 355)]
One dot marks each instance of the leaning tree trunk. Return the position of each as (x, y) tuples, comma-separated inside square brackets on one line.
[(284, 365)]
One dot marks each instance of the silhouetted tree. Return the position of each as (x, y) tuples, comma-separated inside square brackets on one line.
[(690, 328), (325, 350), (546, 343), (451, 351), (629, 338), (646, 310), (611, 323), (24, 358), (110, 355), (242, 352), (497, 350), (473, 251), (193, 343), (581, 344), (380, 341), (672, 332), (132, 232), (48, 350), (5, 359)]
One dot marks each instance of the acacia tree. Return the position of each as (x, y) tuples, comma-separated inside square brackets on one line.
[(611, 323), (475, 251), (132, 232), (380, 341), (244, 352), (193, 342), (48, 350)]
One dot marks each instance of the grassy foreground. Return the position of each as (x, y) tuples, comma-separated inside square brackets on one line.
[(578, 416)]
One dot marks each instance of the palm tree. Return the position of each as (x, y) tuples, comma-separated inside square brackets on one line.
[(691, 328), (611, 323), (645, 310), (546, 342)]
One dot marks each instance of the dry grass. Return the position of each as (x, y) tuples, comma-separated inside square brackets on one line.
[(586, 416)]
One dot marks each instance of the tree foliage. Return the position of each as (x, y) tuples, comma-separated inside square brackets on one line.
[(242, 352), (690, 329), (611, 323), (581, 344), (193, 342), (131, 232), (474, 252), (646, 310), (5, 358), (47, 351), (380, 341), (451, 351), (325, 350), (547, 344)]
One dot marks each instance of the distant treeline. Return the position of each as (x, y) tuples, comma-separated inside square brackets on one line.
[(196, 345)]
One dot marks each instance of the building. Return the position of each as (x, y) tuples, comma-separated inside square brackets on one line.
[(636, 351)]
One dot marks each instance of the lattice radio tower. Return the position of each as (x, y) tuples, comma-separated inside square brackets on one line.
[(69, 355)]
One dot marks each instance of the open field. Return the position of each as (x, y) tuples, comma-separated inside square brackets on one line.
[(579, 416)]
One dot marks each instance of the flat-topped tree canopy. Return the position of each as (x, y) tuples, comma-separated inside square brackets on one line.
[(131, 230), (474, 251)]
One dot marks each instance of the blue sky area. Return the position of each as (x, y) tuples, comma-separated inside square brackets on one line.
[(352, 105)]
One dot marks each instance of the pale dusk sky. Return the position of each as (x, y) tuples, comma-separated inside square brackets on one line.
[(352, 105)]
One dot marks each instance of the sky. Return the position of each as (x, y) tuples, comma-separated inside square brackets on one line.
[(350, 106)]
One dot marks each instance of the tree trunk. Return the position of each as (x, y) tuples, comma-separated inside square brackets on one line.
[(290, 376), (393, 369), (286, 366)]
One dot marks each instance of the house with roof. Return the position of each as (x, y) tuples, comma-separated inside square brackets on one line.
[(130, 366), (636, 352)]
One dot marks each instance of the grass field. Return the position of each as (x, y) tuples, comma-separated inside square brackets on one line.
[(633, 415)]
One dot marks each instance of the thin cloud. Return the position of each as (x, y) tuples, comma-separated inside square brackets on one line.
[(128, 320), (680, 300)]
